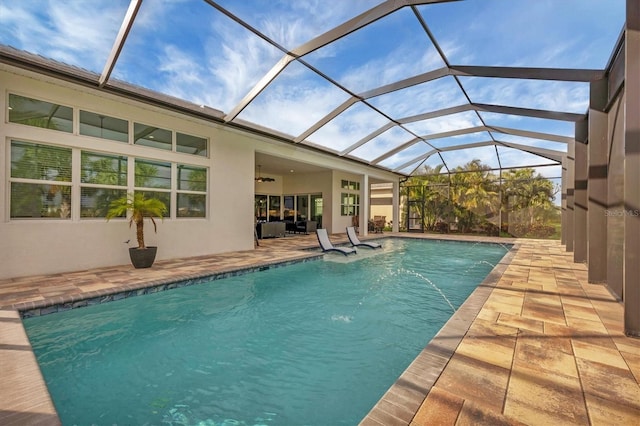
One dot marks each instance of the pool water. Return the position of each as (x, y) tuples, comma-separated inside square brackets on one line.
[(314, 343)]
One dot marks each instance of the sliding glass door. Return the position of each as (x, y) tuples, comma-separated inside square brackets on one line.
[(274, 208), (302, 207), (316, 208), (261, 208), (289, 208)]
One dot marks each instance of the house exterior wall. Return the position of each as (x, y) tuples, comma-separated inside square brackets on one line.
[(382, 201), (43, 246), (339, 223), (46, 246)]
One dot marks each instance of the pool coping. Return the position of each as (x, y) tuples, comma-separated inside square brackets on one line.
[(401, 401), (64, 303)]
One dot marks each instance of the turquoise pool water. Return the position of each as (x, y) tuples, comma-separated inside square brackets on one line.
[(315, 343)]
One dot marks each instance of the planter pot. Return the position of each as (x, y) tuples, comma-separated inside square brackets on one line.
[(142, 258)]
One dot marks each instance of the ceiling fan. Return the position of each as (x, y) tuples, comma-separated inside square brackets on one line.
[(263, 179)]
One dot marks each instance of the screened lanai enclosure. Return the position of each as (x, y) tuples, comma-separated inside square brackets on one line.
[(516, 118), (394, 84), (518, 202)]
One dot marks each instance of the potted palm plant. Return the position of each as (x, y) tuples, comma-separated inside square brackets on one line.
[(140, 207)]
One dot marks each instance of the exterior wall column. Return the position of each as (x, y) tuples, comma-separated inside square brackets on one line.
[(631, 291), (563, 203), (580, 199), (598, 183), (365, 208), (571, 152), (395, 203)]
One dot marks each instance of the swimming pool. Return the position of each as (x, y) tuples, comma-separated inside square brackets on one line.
[(313, 343)]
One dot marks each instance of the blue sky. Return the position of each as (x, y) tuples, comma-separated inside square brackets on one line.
[(188, 49)]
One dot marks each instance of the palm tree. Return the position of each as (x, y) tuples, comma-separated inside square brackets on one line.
[(473, 192), (529, 192), (428, 196), (141, 207)]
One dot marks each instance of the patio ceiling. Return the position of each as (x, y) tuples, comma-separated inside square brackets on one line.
[(393, 84)]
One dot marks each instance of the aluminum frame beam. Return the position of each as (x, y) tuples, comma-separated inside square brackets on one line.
[(550, 154), (530, 134), (354, 24), (527, 73), (118, 44), (259, 87)]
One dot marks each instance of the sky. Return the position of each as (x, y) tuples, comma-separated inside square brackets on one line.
[(190, 50)]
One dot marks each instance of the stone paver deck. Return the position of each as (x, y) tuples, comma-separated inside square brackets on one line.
[(535, 344)]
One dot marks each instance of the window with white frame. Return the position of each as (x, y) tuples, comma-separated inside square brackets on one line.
[(103, 178), (192, 191), (190, 144), (349, 204), (104, 127), (40, 181), (350, 201), (152, 136), (37, 113), (153, 179), (350, 185)]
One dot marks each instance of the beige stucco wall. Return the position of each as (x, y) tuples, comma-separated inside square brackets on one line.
[(45, 246), (383, 194), (41, 246)]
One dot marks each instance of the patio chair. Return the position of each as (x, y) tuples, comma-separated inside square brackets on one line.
[(325, 243), (379, 223), (355, 241)]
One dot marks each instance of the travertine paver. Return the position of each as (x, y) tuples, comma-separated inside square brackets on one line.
[(570, 363), (19, 377)]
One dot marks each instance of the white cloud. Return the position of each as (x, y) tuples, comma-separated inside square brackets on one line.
[(462, 120), (79, 33), (486, 154), (537, 94), (385, 142), (293, 108), (238, 62), (426, 97), (355, 123)]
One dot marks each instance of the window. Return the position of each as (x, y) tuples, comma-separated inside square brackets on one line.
[(192, 191), (154, 137), (350, 185), (191, 144), (274, 208), (289, 208), (302, 205), (316, 208), (105, 127), (349, 204), (40, 181), (350, 201), (152, 174), (33, 112), (154, 179), (260, 209), (103, 179)]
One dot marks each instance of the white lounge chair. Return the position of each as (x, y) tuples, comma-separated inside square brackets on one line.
[(355, 241), (325, 243)]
